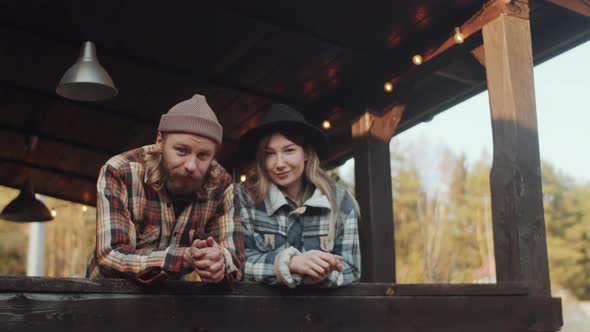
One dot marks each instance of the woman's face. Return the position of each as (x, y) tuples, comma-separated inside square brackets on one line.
[(285, 162)]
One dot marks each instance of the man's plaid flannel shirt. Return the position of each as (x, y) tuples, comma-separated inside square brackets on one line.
[(276, 226), (138, 235)]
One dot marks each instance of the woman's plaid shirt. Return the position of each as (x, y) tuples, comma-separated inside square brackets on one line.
[(278, 225), (137, 233)]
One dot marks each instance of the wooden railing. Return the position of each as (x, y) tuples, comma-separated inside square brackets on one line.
[(52, 304)]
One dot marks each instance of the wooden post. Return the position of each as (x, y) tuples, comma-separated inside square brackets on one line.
[(517, 197), (371, 135)]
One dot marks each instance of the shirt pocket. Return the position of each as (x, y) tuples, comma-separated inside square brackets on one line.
[(314, 229), (268, 235), (149, 237)]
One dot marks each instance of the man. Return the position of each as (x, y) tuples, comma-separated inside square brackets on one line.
[(169, 209)]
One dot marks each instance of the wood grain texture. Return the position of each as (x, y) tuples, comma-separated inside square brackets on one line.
[(15, 284), (373, 192), (65, 304), (118, 312), (517, 198), (381, 126)]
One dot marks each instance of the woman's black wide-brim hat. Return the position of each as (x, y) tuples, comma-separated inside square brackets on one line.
[(282, 117)]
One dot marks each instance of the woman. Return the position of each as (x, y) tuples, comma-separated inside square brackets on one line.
[(300, 227)]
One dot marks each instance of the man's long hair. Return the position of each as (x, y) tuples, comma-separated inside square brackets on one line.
[(156, 176)]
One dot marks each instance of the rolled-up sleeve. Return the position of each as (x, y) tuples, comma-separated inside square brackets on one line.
[(116, 252), (227, 231)]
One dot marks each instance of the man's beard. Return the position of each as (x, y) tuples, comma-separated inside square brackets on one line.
[(179, 182)]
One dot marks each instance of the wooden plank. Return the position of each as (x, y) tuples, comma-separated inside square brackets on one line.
[(373, 192), (517, 198), (120, 312), (479, 54), (48, 169), (490, 11), (16, 93), (381, 127), (371, 135), (50, 184), (47, 43), (579, 6), (121, 286), (467, 72)]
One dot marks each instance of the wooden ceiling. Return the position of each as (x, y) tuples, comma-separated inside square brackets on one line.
[(327, 58)]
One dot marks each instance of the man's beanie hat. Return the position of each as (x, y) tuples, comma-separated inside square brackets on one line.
[(192, 116)]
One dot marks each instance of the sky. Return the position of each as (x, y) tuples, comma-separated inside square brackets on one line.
[(562, 90)]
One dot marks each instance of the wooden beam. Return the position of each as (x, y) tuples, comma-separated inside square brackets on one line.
[(30, 311), (42, 168), (92, 148), (278, 25), (371, 135), (372, 172), (467, 72), (437, 58), (579, 6), (153, 66), (517, 197), (479, 54), (382, 126), (51, 184), (50, 98), (122, 286), (490, 11)]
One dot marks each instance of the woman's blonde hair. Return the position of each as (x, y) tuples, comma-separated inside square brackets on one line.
[(258, 181), (156, 176)]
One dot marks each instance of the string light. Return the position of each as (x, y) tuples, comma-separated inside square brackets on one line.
[(84, 208), (388, 87), (243, 178), (459, 37), (417, 59), (326, 124), (53, 213)]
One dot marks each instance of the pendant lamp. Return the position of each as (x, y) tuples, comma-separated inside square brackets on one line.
[(87, 80), (26, 207)]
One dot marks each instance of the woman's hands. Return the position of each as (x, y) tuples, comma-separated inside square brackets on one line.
[(315, 264)]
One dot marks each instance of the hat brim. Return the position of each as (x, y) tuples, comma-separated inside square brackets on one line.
[(313, 136)]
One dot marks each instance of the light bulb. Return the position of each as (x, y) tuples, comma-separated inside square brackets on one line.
[(459, 37), (243, 178), (84, 208), (388, 87), (417, 59), (326, 124), (53, 213)]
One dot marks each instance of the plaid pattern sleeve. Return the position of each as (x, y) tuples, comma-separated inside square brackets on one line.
[(346, 241), (226, 229), (116, 253), (259, 263)]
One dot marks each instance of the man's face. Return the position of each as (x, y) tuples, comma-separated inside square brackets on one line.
[(185, 160)]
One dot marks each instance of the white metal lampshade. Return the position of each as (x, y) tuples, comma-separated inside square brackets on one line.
[(87, 80)]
